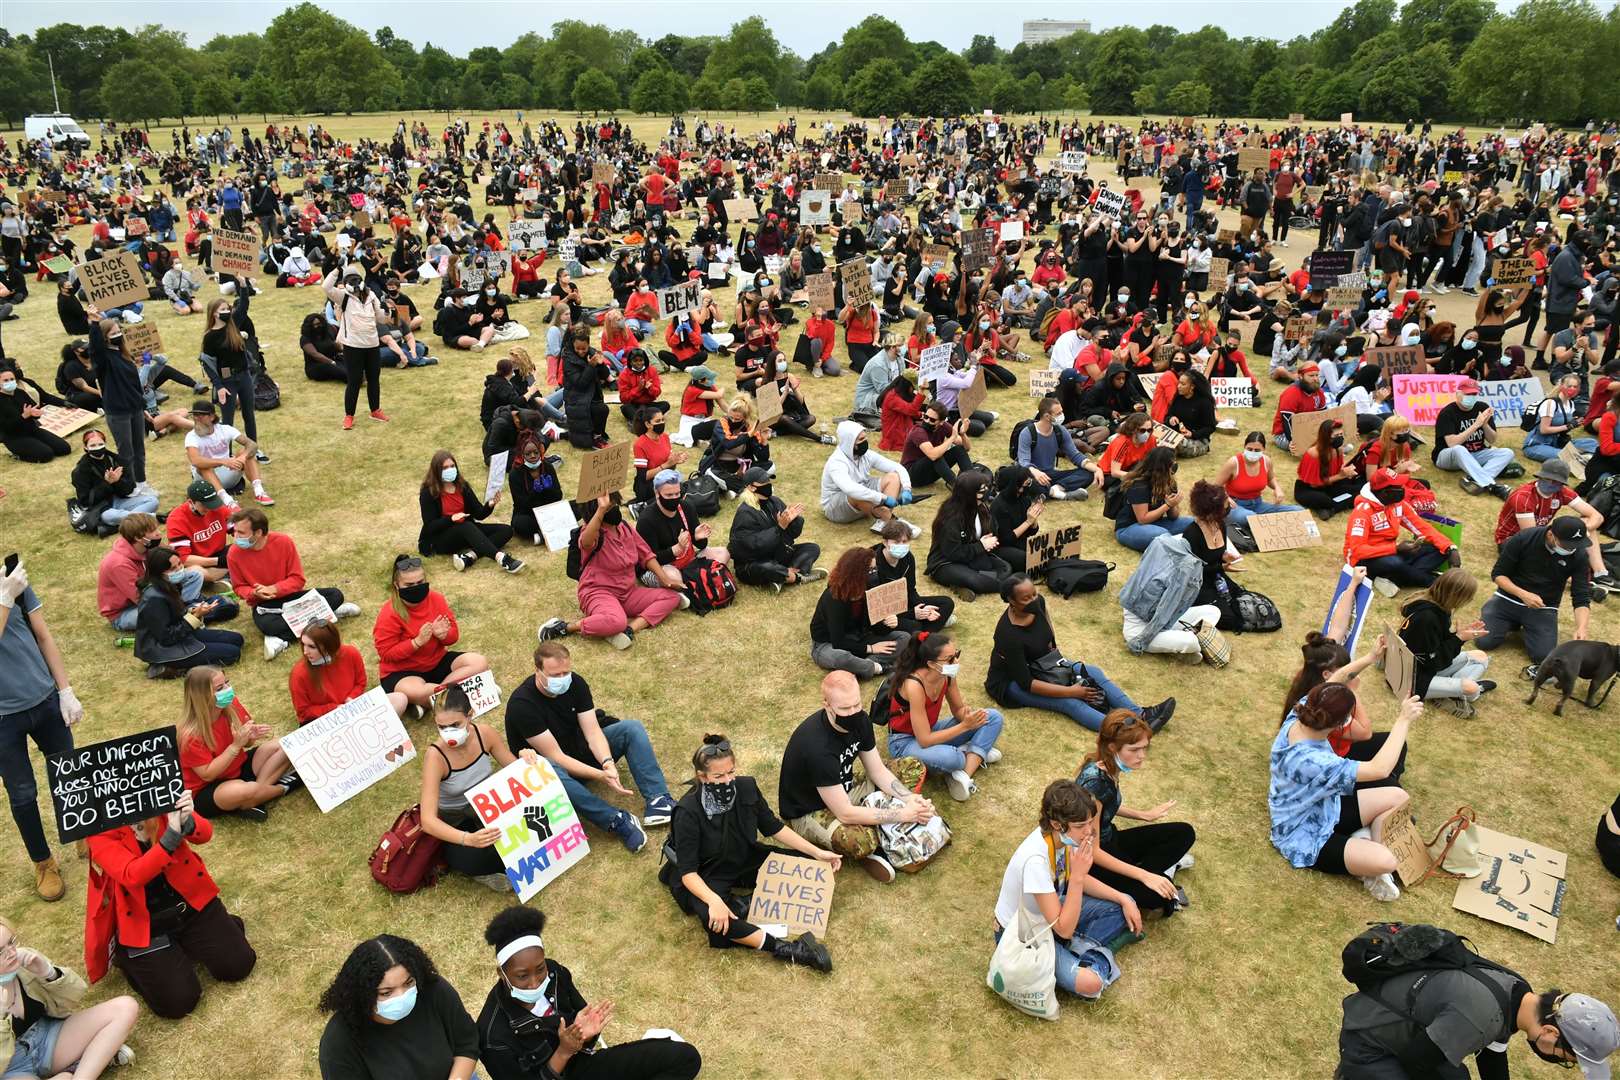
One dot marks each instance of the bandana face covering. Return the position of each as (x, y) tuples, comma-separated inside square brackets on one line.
[(717, 799)]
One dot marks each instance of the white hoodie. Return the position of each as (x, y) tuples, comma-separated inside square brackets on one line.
[(845, 474)]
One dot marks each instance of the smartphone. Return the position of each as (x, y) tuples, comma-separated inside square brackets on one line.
[(11, 563)]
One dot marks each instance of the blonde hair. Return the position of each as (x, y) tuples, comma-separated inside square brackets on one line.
[(746, 404), (522, 362), (198, 708)]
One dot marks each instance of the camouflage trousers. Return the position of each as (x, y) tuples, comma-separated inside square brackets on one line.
[(855, 841)]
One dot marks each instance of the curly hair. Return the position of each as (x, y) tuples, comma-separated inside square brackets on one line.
[(353, 994), (514, 922)]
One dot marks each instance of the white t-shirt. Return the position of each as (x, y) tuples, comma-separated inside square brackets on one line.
[(215, 446), (1027, 874)]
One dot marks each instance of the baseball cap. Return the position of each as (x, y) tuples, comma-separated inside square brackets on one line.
[(1588, 1025), (755, 475), (701, 374), (1554, 470), (666, 476), (204, 494), (1572, 531), (1386, 477), (1468, 386)]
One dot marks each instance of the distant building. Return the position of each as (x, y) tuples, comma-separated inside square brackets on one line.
[(1037, 31)]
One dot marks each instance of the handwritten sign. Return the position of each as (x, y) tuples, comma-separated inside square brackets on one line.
[(526, 235), (1347, 120), (483, 694), (1284, 531), (143, 337), (740, 209), (1328, 266), (1043, 382), (976, 247), (883, 601), (135, 226), (1237, 393), (236, 251), (557, 523), (118, 782), (1070, 161), (822, 290), (1513, 271), (355, 745), (603, 173), (1251, 158), (857, 283), (1400, 667), (63, 422), (113, 280), (1400, 834), (934, 362), (1296, 118), (1219, 269), (1397, 360), (1511, 398), (679, 298), (1420, 398), (602, 472), (972, 395), (1299, 328), (794, 892), (815, 208), (768, 402), (1165, 435), (1043, 547), (541, 835), (1110, 203), (308, 608), (937, 255), (895, 190), (1303, 427), (1012, 231)]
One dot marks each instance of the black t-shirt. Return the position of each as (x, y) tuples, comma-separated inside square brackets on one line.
[(1451, 421), (1138, 494), (422, 1046), (530, 713), (1016, 647), (818, 756)]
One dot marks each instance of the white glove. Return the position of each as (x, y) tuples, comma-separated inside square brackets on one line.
[(12, 585), (72, 711)]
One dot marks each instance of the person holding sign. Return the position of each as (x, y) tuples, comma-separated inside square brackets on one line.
[(1304, 396), (924, 679), (843, 636), (717, 857), (329, 674), (894, 562), (266, 572), (395, 1016), (1318, 806), (359, 312), (49, 1036), (412, 634), (535, 1023), (453, 515), (1443, 670), (153, 911), (616, 605)]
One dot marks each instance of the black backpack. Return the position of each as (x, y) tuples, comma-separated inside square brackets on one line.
[(709, 585), (1386, 950), (1012, 440), (266, 392), (1069, 576), (701, 492), (576, 564)]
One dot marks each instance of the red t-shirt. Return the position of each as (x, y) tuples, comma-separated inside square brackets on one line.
[(191, 533), (451, 502), (1311, 471), (194, 753), (342, 680), (694, 405), (650, 451), (1527, 500)]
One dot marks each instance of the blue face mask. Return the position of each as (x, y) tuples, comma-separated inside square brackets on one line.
[(1469, 346), (899, 551), (318, 661), (1119, 763), (8, 976), (176, 576), (1341, 350), (1547, 490), (242, 541), (448, 474), (1563, 552), (399, 1007), (1466, 400), (557, 685), (224, 697), (529, 997), (1069, 841)]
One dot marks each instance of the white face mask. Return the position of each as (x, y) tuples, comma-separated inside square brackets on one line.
[(950, 670), (1253, 456), (453, 736)]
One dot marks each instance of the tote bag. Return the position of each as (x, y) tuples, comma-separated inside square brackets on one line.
[(1023, 969)]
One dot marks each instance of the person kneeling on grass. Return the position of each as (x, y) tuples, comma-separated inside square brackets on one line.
[(1444, 671), (616, 605), (216, 731), (1319, 801), (452, 516), (266, 572), (714, 856), (535, 1023), (821, 800), (1049, 875), (413, 633), (465, 755), (847, 494), (924, 679), (1140, 862), (553, 712), (48, 1035)]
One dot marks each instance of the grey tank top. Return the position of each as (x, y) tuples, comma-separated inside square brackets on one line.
[(453, 788)]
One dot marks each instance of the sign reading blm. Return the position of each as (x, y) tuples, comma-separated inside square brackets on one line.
[(118, 782)]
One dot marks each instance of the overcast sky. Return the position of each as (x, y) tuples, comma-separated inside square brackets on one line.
[(806, 27)]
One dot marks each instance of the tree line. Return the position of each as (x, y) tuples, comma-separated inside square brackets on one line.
[(1450, 60)]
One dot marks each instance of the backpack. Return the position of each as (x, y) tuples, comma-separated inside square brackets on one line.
[(266, 394), (1256, 613), (1012, 440), (1386, 950), (709, 584), (407, 857), (577, 564), (1069, 576), (702, 493)]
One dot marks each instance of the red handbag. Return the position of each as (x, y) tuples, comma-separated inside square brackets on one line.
[(407, 858)]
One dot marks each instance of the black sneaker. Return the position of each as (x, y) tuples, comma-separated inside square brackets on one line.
[(261, 457), (1501, 491), (511, 565), (256, 814), (805, 951), (1156, 716), (290, 780), (552, 629), (1486, 686)]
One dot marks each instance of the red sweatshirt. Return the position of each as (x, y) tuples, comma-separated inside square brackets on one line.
[(342, 680), (276, 563), (394, 639), (1374, 528), (205, 534), (121, 568), (1295, 400)]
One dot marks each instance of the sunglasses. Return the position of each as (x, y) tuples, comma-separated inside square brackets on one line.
[(407, 562), (714, 751)]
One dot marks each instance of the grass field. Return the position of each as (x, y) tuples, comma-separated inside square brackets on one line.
[(1245, 983)]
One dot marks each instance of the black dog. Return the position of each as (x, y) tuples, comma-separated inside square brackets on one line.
[(1573, 660)]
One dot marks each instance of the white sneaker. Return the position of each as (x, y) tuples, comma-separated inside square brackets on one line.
[(460, 561), (1385, 587), (916, 530), (1442, 289), (877, 526), (1186, 862), (1382, 887), (776, 930), (620, 641), (347, 610), (1056, 492), (686, 601), (960, 785), (124, 1056), (993, 755), (537, 539), (274, 647)]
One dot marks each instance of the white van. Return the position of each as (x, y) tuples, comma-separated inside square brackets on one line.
[(59, 129)]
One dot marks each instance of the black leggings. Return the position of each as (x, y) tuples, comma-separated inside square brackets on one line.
[(1329, 499), (1155, 848), (801, 558), (38, 447), (801, 424), (986, 577), (271, 624), (474, 536), (319, 372), (924, 472), (364, 364), (859, 353), (652, 1059), (996, 375)]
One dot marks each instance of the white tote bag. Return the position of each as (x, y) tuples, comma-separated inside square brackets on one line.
[(1023, 969)]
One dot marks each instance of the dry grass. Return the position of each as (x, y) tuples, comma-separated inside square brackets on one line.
[(1246, 983)]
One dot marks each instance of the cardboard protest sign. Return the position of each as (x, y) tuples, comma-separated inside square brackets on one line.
[(143, 337), (135, 226), (1218, 271), (1043, 547), (1522, 886), (1341, 298), (678, 298), (1397, 360), (309, 608), (1347, 120), (362, 220), (1328, 266), (567, 250), (815, 208), (602, 472), (773, 264), (1513, 271), (1043, 382), (937, 255), (934, 362), (739, 209), (483, 694), (1511, 398), (1299, 328), (64, 422), (557, 523), (794, 892), (541, 835), (1226, 236), (355, 745), (972, 396), (768, 402), (1296, 118), (885, 600), (1284, 531), (1070, 161), (857, 281), (118, 782), (1150, 383), (1302, 431), (1420, 398), (976, 247), (1012, 231), (1251, 158), (113, 280), (1571, 455), (1166, 435), (1110, 203), (1400, 667), (603, 173), (895, 191), (823, 290), (496, 482), (829, 182), (1237, 393), (1400, 834), (236, 251)]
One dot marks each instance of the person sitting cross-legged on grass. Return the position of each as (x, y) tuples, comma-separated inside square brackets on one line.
[(1444, 671), (413, 634), (169, 633), (266, 572), (717, 855), (219, 769), (842, 638), (453, 515), (616, 604), (924, 679), (329, 674)]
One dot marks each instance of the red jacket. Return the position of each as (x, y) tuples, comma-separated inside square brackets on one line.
[(276, 563), (643, 306), (342, 680), (639, 388), (205, 534), (119, 873), (1374, 528), (899, 416), (394, 639)]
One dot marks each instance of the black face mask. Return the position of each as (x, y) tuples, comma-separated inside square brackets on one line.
[(613, 517), (414, 594), (669, 504), (1402, 440), (1338, 441), (1389, 496), (850, 722), (722, 797), (860, 448)]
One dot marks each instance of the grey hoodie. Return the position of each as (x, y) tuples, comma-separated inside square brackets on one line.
[(848, 475)]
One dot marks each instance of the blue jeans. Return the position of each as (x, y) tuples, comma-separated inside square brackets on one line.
[(1244, 509), (125, 505), (1539, 447), (1139, 535), (1082, 713), (640, 327), (1482, 467), (951, 754), (43, 723), (191, 587), (1071, 479), (551, 407), (1101, 921), (626, 739)]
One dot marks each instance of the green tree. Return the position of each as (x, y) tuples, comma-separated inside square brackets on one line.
[(1273, 95), (1145, 99), (1077, 97), (757, 95), (1360, 22), (874, 38), (1188, 98), (1392, 93), (878, 89), (322, 64), (25, 84), (82, 54), (214, 95), (1117, 70), (659, 91), (824, 89), (749, 49), (982, 50), (595, 91), (942, 87), (139, 90), (1552, 45), (260, 94)]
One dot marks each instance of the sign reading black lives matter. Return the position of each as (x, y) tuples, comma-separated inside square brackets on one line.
[(118, 782)]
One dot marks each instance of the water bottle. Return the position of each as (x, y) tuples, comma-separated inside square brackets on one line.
[(125, 643)]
